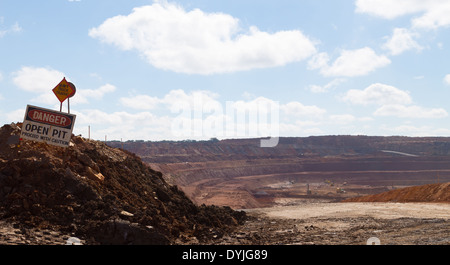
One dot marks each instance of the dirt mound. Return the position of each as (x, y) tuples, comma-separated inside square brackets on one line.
[(424, 193), (101, 194)]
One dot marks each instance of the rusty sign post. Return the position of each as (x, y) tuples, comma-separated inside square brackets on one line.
[(71, 95)]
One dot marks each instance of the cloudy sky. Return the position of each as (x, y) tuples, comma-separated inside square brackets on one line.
[(156, 70)]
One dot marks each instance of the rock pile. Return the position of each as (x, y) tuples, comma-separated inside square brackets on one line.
[(99, 194)]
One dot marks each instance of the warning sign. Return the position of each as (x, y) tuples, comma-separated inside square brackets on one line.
[(49, 126), (63, 90)]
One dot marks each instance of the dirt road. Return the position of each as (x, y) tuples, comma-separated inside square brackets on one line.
[(356, 210), (346, 224)]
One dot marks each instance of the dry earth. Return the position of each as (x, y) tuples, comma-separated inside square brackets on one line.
[(320, 223), (292, 193), (308, 223)]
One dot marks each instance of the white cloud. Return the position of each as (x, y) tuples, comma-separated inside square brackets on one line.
[(1, 76), (413, 111), (342, 118), (37, 79), (201, 115), (122, 125), (94, 116), (436, 15), (389, 9), (447, 79), (201, 100), (15, 116), (350, 63), (433, 13), (42, 80), (402, 40), (392, 102), (82, 95), (16, 28), (322, 89), (207, 102), (300, 128), (47, 98), (317, 89), (12, 29), (319, 61), (196, 42), (247, 95), (297, 110), (379, 94), (175, 101), (142, 102)]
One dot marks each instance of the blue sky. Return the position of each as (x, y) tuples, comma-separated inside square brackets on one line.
[(156, 70)]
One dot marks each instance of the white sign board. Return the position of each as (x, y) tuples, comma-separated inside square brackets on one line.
[(49, 126)]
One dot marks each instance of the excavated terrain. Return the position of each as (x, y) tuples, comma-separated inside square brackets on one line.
[(240, 174), (331, 190), (98, 194), (416, 215)]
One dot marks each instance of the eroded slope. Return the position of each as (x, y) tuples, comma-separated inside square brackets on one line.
[(98, 193)]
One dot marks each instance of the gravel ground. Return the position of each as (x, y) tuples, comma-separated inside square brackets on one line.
[(346, 224), (11, 234), (307, 224)]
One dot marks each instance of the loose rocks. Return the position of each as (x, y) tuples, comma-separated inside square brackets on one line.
[(99, 194)]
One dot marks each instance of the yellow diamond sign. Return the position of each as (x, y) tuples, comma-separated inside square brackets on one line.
[(63, 90)]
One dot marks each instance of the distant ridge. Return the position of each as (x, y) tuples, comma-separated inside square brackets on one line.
[(312, 146)]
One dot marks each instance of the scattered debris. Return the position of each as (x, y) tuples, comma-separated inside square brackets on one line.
[(74, 241)]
